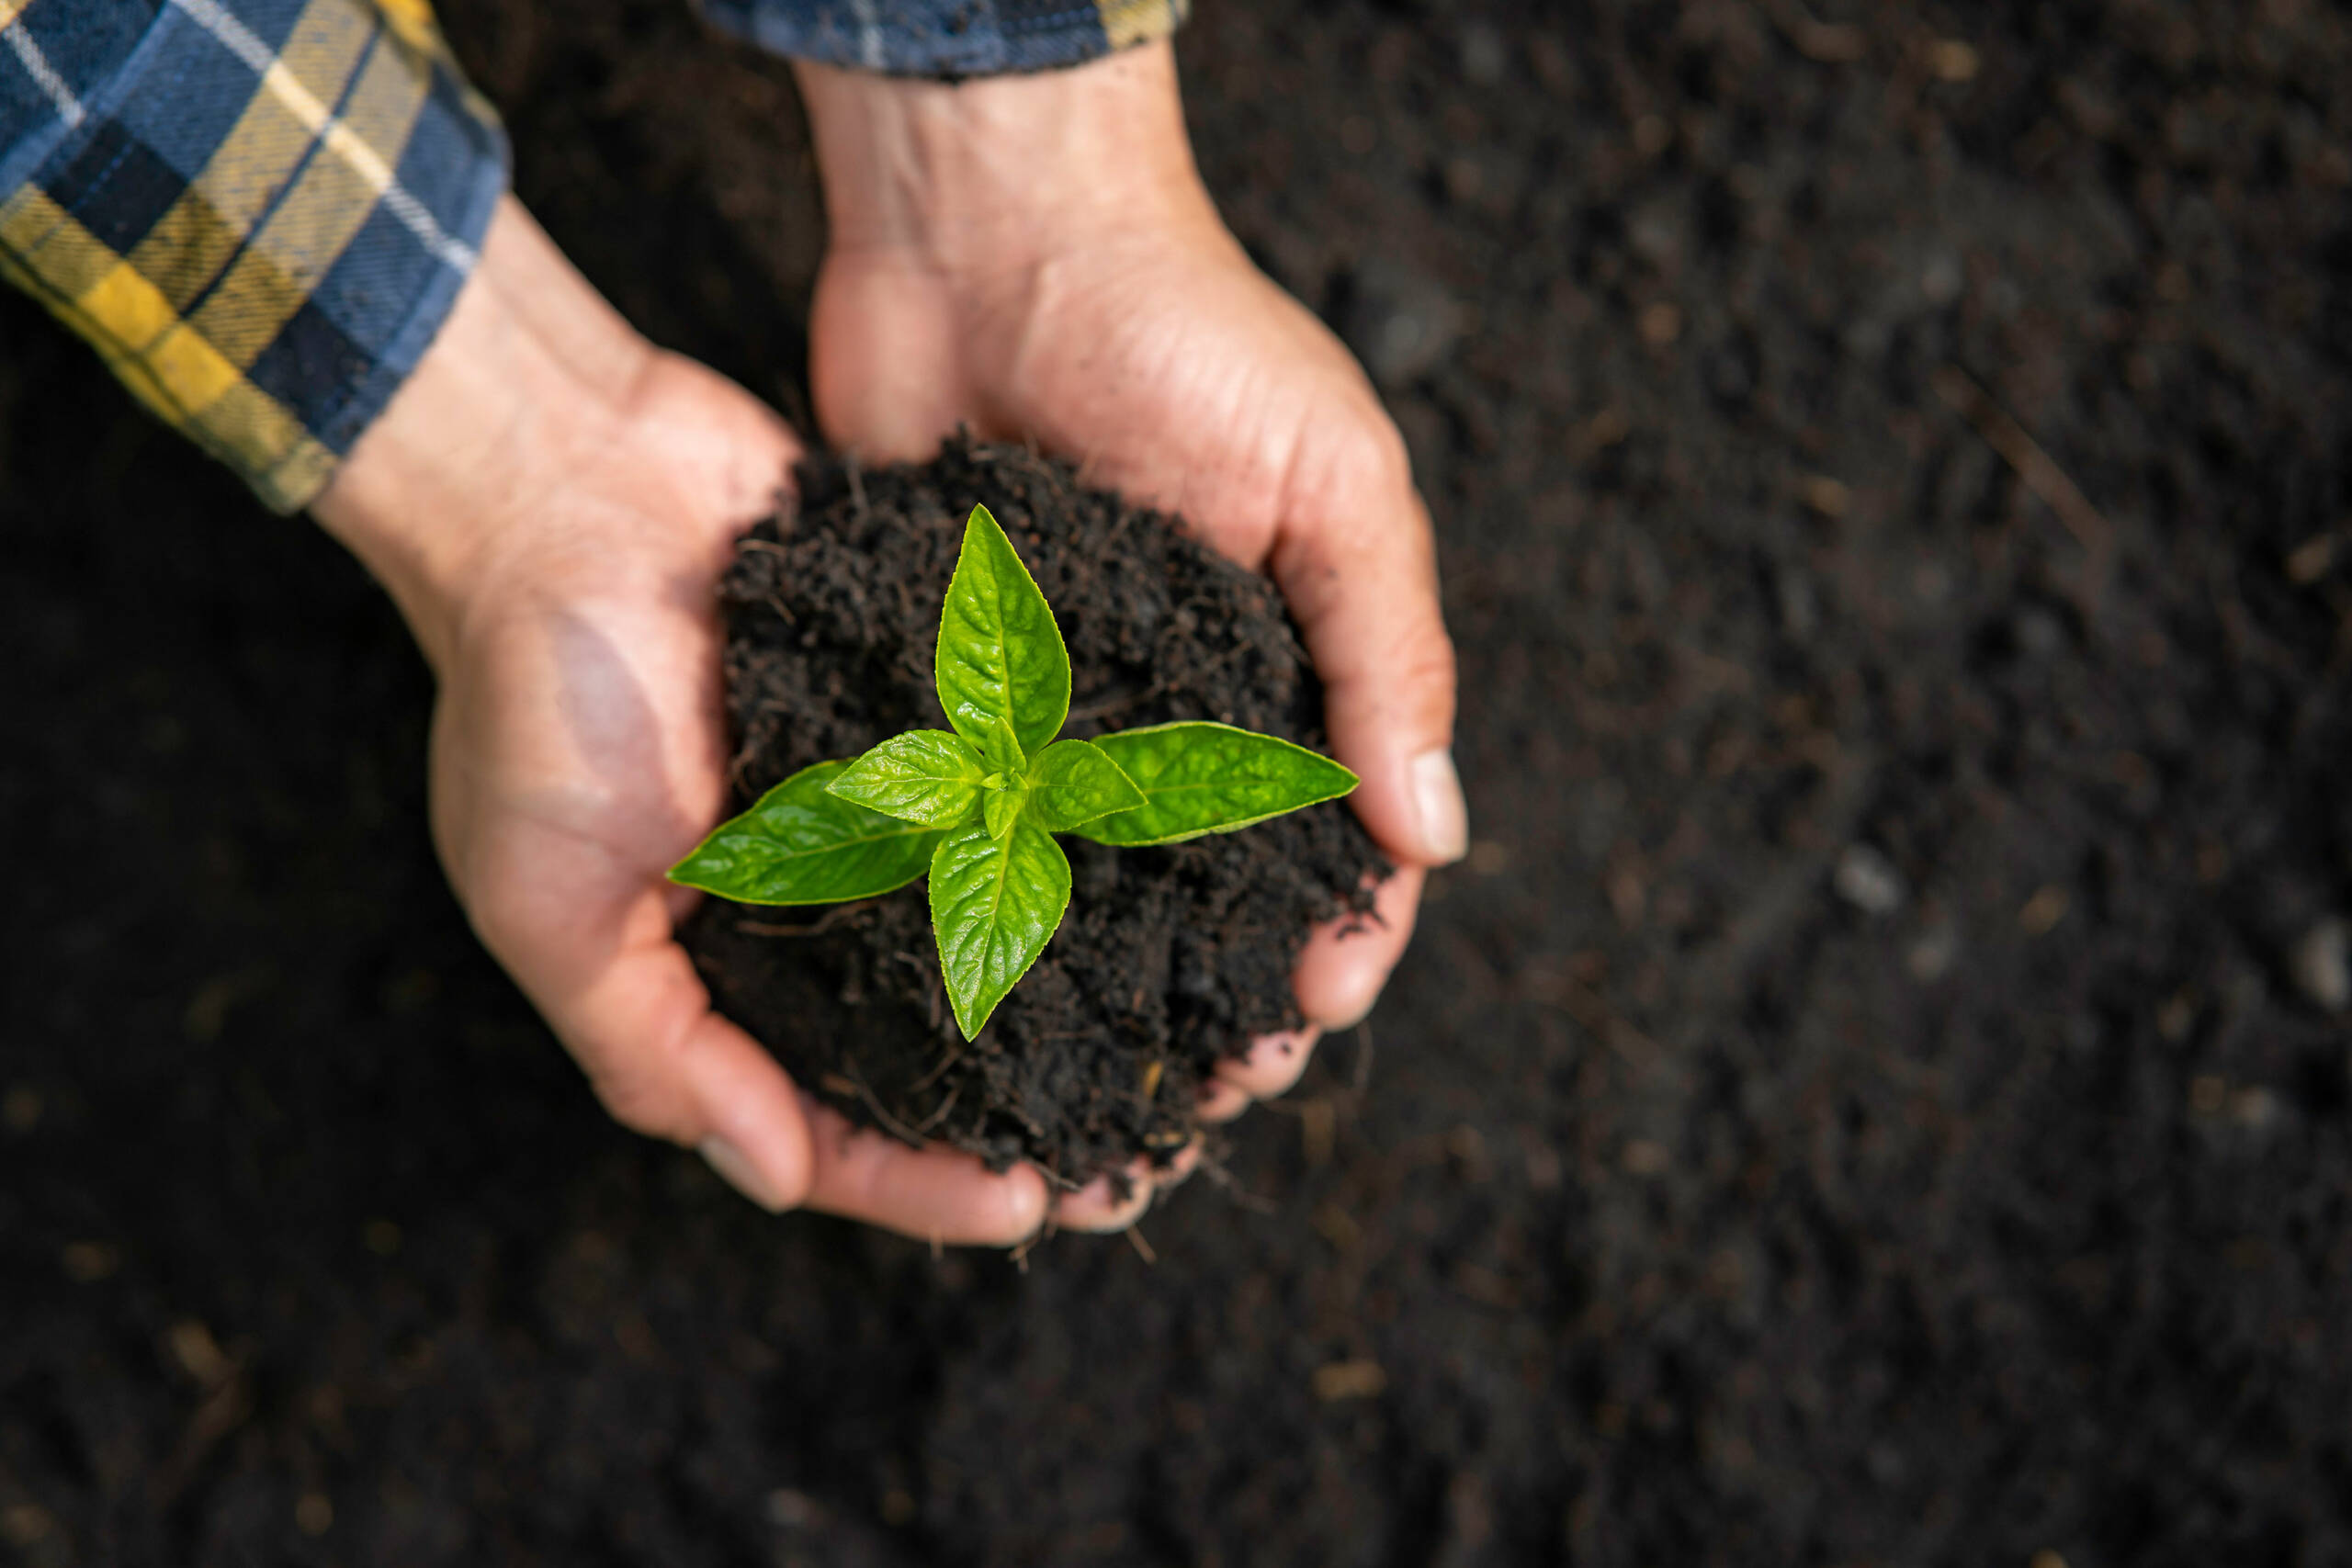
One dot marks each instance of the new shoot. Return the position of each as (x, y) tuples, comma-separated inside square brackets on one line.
[(975, 807)]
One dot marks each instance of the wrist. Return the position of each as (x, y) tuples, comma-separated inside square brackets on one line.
[(992, 174), (528, 376)]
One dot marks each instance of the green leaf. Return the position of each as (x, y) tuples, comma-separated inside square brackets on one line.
[(1000, 654), (801, 844), (1002, 807), (1074, 781), (1211, 778), (994, 904), (925, 775), (1002, 750)]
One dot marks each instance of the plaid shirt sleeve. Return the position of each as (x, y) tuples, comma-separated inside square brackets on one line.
[(947, 37), (258, 212)]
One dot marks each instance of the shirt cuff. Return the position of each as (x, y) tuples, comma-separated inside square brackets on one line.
[(258, 213), (947, 37)]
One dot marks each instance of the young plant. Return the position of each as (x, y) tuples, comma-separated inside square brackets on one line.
[(976, 807)]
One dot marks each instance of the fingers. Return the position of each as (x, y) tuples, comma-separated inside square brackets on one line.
[(1272, 1065), (882, 390), (1096, 1208), (932, 1194), (716, 1088), (1221, 1101), (1338, 979), (1347, 960), (639, 1019), (1357, 563), (635, 1016)]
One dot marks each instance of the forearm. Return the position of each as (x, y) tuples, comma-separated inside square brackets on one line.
[(987, 168), (527, 377)]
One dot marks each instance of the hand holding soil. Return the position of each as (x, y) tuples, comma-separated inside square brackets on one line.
[(550, 500), (1036, 257)]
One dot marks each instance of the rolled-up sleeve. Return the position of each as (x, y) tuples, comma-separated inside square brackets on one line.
[(947, 37), (258, 212)]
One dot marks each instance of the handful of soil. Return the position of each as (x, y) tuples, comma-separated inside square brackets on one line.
[(1169, 959)]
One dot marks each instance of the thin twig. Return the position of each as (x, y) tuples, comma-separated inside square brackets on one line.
[(738, 767), (1215, 1169), (890, 1123), (817, 927), (954, 1055), (1143, 1247), (771, 599), (1831, 43), (1037, 1131), (1028, 1244), (936, 1117), (2048, 482), (1363, 1075)]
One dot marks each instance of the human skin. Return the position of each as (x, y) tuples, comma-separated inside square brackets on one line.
[(1036, 257), (550, 502)]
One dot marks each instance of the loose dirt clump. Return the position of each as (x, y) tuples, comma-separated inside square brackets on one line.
[(1169, 959)]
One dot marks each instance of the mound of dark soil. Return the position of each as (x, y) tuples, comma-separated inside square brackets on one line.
[(1168, 959)]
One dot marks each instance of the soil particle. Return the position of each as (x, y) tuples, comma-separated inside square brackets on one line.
[(1400, 322), (1168, 959), (2321, 964), (1867, 880)]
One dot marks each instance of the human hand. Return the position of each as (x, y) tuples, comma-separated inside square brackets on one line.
[(1035, 256), (550, 502)]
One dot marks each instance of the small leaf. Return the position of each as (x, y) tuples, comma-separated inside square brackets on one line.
[(1002, 750), (994, 904), (1000, 655), (1074, 781), (925, 775), (801, 844), (1002, 807), (1211, 778)]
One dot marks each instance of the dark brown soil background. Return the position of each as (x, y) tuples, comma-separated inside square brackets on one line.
[(1167, 960), (1861, 1103)]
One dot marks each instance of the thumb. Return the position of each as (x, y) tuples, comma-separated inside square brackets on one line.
[(886, 384), (1356, 560), (638, 1019)]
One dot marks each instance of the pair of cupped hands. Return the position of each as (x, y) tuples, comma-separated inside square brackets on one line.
[(550, 501)]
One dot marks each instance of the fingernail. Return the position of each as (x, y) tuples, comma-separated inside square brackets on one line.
[(1111, 1220), (1437, 795), (739, 1172)]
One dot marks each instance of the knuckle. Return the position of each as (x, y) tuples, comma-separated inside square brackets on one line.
[(1426, 655), (1419, 673), (637, 1100), (643, 1084), (1367, 457)]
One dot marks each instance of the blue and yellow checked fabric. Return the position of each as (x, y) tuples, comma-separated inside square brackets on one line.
[(260, 212), (947, 37)]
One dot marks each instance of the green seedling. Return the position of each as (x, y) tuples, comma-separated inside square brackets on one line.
[(976, 807)]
